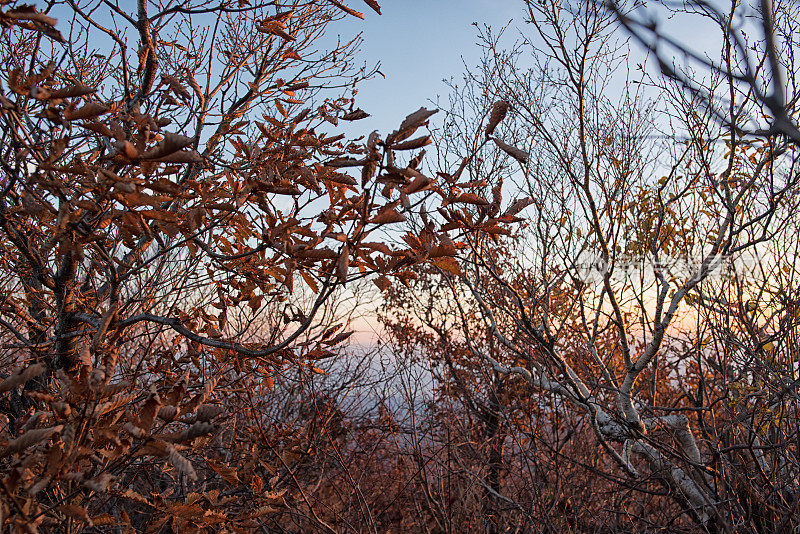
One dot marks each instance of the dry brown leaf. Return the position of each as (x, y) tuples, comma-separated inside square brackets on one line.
[(309, 280), (388, 217), (200, 428), (171, 143), (517, 206), (76, 512), (168, 413), (343, 263), (88, 111), (374, 5), (21, 376), (413, 144), (181, 464), (355, 115), (198, 91), (377, 247), (470, 198), (514, 152), (127, 149), (416, 119), (382, 282), (183, 156), (28, 12), (31, 437), (448, 265), (207, 412), (316, 254), (72, 91), (346, 9), (39, 486), (499, 111), (420, 183), (274, 27), (149, 411), (134, 496), (226, 472), (338, 338), (104, 520), (100, 483)]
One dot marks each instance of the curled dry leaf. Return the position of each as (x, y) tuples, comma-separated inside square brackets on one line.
[(88, 111), (204, 395), (499, 111), (344, 162), (168, 413), (388, 217), (346, 9), (62, 409), (374, 5), (134, 430), (100, 483), (99, 128), (517, 206), (149, 411), (21, 376), (200, 428), (338, 338), (418, 184), (372, 141), (105, 520), (76, 512), (445, 249), (169, 145), (343, 263), (39, 486), (273, 27), (416, 119), (316, 254), (412, 144), (127, 149), (72, 91), (261, 511), (181, 464), (228, 473), (382, 282), (31, 437), (28, 12), (448, 265), (198, 91), (207, 412), (309, 280), (113, 404), (377, 247), (183, 156), (514, 152), (355, 115), (496, 230), (34, 419), (134, 496), (470, 198)]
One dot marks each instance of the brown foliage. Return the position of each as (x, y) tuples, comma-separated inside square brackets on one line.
[(176, 217)]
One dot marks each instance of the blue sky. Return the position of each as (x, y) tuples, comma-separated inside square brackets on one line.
[(421, 42), (418, 43)]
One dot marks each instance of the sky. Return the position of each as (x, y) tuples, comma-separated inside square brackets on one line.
[(418, 43)]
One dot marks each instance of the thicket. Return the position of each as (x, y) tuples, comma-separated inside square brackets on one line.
[(589, 301)]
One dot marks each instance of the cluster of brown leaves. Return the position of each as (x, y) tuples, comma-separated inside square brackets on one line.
[(151, 269)]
